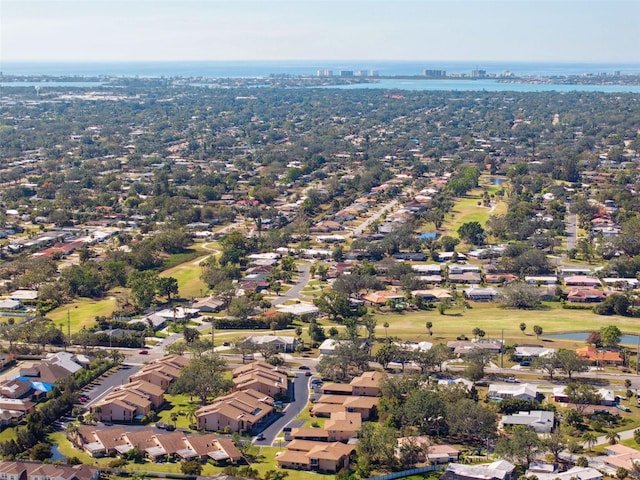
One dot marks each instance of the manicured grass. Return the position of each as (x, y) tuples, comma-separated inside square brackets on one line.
[(68, 450), (82, 312), (180, 258), (493, 320), (180, 405), (467, 210), (8, 434), (188, 276), (267, 461)]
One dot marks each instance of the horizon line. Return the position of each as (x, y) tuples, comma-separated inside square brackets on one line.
[(309, 60)]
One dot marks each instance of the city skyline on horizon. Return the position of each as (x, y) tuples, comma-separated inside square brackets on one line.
[(567, 31)]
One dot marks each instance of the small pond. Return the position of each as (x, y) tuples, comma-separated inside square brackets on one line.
[(56, 455)]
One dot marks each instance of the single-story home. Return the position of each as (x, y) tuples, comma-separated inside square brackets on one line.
[(541, 421)]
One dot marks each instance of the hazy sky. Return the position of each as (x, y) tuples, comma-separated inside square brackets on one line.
[(522, 30)]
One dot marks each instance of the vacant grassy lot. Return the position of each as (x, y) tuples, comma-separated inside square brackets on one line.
[(493, 320), (188, 276), (467, 210), (82, 312)]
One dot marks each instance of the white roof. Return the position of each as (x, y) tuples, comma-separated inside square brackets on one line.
[(24, 295), (421, 346), (541, 417), (534, 351), (500, 469), (298, 309), (181, 312), (576, 472), (64, 360), (260, 339), (9, 304), (512, 390)]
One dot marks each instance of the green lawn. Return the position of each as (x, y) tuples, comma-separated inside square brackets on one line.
[(188, 276), (493, 320), (467, 210), (82, 312), (180, 405)]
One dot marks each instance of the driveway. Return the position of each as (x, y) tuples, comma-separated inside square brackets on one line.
[(300, 389)]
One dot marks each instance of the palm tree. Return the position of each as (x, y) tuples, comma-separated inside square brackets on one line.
[(523, 327), (191, 413), (385, 325), (590, 439), (612, 437), (429, 325), (174, 418)]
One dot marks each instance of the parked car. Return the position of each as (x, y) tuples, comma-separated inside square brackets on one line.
[(260, 436), (526, 363), (624, 408), (144, 352), (307, 374), (162, 425), (169, 428), (303, 367), (511, 380)]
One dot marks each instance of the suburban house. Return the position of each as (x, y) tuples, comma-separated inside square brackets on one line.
[(278, 343), (481, 294), (585, 295), (583, 473), (523, 391), (434, 454), (433, 295), (208, 305), (607, 397), (322, 458), (600, 357), (463, 347), (541, 421), (46, 471), (619, 455), (238, 411), (498, 470), (529, 352), (582, 281), (261, 377)]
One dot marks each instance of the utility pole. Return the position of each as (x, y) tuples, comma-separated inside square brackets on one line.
[(637, 354), (502, 350)]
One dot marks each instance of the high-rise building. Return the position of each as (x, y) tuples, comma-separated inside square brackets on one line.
[(434, 73)]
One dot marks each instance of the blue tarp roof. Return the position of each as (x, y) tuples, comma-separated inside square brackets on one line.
[(41, 386), (428, 236)]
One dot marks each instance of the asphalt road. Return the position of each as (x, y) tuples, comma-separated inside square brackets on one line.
[(572, 230), (362, 227), (291, 411), (294, 292)]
